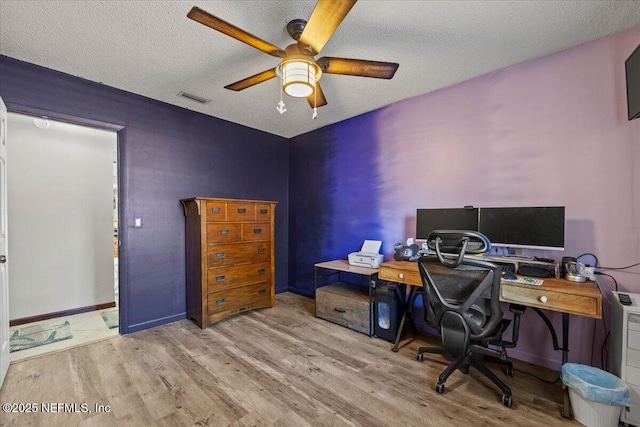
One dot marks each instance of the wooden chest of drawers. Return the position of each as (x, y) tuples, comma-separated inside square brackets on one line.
[(230, 257)]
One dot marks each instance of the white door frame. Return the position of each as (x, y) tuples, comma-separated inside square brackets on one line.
[(4, 298), (4, 268)]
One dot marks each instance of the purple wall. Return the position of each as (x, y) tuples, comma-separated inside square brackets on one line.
[(552, 131), (332, 208), (166, 153)]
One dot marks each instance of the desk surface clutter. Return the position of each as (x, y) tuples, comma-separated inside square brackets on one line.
[(525, 280)]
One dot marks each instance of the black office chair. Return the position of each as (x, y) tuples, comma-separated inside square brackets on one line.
[(462, 298)]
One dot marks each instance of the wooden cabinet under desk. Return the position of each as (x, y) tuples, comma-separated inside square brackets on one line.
[(347, 305), (230, 257)]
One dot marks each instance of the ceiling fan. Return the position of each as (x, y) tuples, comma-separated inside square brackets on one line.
[(298, 69)]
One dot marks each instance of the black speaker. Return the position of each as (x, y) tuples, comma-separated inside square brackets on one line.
[(386, 312)]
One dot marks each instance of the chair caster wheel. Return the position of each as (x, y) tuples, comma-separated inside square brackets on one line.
[(509, 371), (419, 357), (440, 388), (507, 401), (464, 369)]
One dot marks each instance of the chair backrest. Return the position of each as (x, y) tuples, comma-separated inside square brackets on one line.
[(457, 282)]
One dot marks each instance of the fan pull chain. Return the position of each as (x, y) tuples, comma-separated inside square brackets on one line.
[(315, 103), (280, 106)]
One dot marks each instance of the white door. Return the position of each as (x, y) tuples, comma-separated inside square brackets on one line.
[(4, 276)]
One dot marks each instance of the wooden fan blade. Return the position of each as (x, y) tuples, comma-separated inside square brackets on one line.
[(218, 24), (317, 100), (324, 20), (358, 67), (253, 80)]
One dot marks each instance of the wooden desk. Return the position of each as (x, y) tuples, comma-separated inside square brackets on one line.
[(583, 299), (343, 265)]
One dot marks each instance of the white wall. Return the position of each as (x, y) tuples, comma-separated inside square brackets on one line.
[(60, 204)]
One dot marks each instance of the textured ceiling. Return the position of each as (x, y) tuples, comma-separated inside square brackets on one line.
[(151, 48)]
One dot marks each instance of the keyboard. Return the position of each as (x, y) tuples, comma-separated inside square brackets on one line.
[(525, 280)]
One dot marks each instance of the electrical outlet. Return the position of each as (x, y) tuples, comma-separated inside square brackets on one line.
[(137, 222)]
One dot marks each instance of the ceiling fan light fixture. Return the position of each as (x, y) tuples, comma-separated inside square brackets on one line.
[(299, 76), (298, 71)]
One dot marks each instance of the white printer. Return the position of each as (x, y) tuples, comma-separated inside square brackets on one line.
[(368, 256)]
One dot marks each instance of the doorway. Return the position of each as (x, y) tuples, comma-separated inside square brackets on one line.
[(63, 219)]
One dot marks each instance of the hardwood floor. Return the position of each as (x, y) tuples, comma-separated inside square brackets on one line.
[(279, 366)]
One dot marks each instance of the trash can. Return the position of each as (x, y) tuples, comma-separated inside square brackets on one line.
[(596, 396), (386, 312)]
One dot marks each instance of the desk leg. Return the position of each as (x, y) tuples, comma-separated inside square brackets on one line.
[(372, 286), (315, 289), (565, 338), (566, 407), (405, 311)]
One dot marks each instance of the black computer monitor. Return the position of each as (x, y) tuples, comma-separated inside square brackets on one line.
[(428, 220), (524, 227), (632, 71)]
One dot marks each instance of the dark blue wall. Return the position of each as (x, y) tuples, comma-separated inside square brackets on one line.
[(333, 196), (166, 154)]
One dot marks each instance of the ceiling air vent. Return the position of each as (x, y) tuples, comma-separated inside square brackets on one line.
[(194, 98)]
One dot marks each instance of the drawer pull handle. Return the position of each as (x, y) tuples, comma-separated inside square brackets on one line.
[(264, 211), (261, 250), (257, 231), (262, 291), (340, 310), (262, 271), (220, 255), (220, 278), (224, 232), (216, 210), (401, 275), (242, 210), (220, 301), (543, 299)]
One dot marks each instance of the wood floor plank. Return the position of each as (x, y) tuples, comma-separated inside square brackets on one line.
[(278, 367), (312, 379)]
